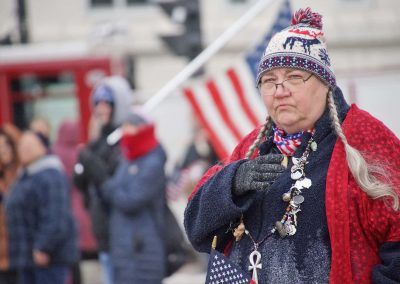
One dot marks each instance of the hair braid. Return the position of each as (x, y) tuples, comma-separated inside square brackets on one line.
[(266, 128), (360, 169)]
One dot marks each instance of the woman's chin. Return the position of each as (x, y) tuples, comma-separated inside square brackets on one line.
[(286, 122)]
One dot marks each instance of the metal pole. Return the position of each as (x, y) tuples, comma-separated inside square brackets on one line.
[(197, 62), (22, 21), (206, 54)]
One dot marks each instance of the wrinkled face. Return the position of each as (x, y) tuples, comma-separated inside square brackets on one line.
[(30, 148), (6, 153), (299, 103)]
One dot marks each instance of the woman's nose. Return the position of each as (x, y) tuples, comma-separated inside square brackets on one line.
[(281, 90)]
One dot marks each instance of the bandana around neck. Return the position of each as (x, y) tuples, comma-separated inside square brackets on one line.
[(138, 144), (288, 144)]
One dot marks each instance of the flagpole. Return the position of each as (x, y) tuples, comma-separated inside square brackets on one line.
[(197, 62), (206, 54)]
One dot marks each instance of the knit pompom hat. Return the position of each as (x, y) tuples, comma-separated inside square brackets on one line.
[(301, 46)]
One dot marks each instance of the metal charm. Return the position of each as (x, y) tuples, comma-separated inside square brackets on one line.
[(298, 199), (314, 146), (287, 196), (296, 174), (290, 228), (255, 264)]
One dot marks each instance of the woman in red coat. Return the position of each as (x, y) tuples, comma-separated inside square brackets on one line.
[(312, 195)]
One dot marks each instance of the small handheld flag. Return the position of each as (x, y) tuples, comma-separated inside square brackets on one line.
[(222, 270)]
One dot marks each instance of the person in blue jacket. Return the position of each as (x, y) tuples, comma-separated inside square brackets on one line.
[(135, 195), (41, 231)]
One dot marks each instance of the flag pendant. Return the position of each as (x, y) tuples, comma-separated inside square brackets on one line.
[(255, 261)]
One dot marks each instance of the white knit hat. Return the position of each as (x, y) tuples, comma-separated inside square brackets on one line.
[(301, 46)]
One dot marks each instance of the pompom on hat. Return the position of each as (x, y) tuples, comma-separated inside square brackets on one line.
[(301, 46)]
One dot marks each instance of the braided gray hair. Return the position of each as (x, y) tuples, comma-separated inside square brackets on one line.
[(263, 131), (362, 171)]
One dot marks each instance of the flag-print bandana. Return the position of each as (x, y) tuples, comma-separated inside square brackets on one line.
[(288, 144)]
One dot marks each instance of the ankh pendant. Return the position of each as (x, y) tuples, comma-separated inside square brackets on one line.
[(255, 264)]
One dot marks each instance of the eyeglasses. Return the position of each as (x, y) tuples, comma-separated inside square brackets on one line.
[(293, 83)]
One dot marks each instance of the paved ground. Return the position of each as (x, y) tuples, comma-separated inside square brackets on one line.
[(190, 273)]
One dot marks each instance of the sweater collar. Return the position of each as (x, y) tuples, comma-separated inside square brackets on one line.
[(43, 163)]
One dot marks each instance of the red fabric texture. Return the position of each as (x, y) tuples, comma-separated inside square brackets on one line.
[(138, 144), (357, 224)]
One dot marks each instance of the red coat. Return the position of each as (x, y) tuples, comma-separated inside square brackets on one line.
[(357, 224)]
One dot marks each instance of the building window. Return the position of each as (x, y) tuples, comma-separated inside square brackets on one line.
[(116, 3), (101, 3), (136, 2)]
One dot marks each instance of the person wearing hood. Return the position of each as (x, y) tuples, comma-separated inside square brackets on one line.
[(110, 103), (41, 230), (135, 195)]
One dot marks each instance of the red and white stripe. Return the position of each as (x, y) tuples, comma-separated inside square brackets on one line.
[(289, 146), (228, 106)]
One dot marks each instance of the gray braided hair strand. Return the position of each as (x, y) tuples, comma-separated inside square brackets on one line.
[(360, 169), (266, 128)]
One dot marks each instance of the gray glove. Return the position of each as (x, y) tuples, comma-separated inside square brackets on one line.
[(257, 174)]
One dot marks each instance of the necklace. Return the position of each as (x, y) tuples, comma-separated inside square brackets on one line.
[(287, 226)]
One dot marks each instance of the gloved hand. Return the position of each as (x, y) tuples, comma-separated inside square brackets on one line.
[(257, 174), (93, 166)]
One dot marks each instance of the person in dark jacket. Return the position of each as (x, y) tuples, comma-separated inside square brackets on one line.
[(136, 196), (41, 230), (110, 102), (66, 148)]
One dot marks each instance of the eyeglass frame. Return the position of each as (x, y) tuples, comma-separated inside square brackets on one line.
[(281, 83)]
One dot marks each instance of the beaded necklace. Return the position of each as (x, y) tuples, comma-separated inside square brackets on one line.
[(287, 226)]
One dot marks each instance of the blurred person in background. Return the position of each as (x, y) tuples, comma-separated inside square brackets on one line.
[(198, 157), (311, 196), (41, 230), (135, 195), (41, 125), (9, 166), (110, 103), (66, 148)]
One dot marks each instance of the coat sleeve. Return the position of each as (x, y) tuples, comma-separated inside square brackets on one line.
[(138, 189), (53, 211), (212, 207), (388, 272)]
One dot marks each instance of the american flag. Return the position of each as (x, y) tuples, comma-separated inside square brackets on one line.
[(176, 183), (222, 271), (228, 105)]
